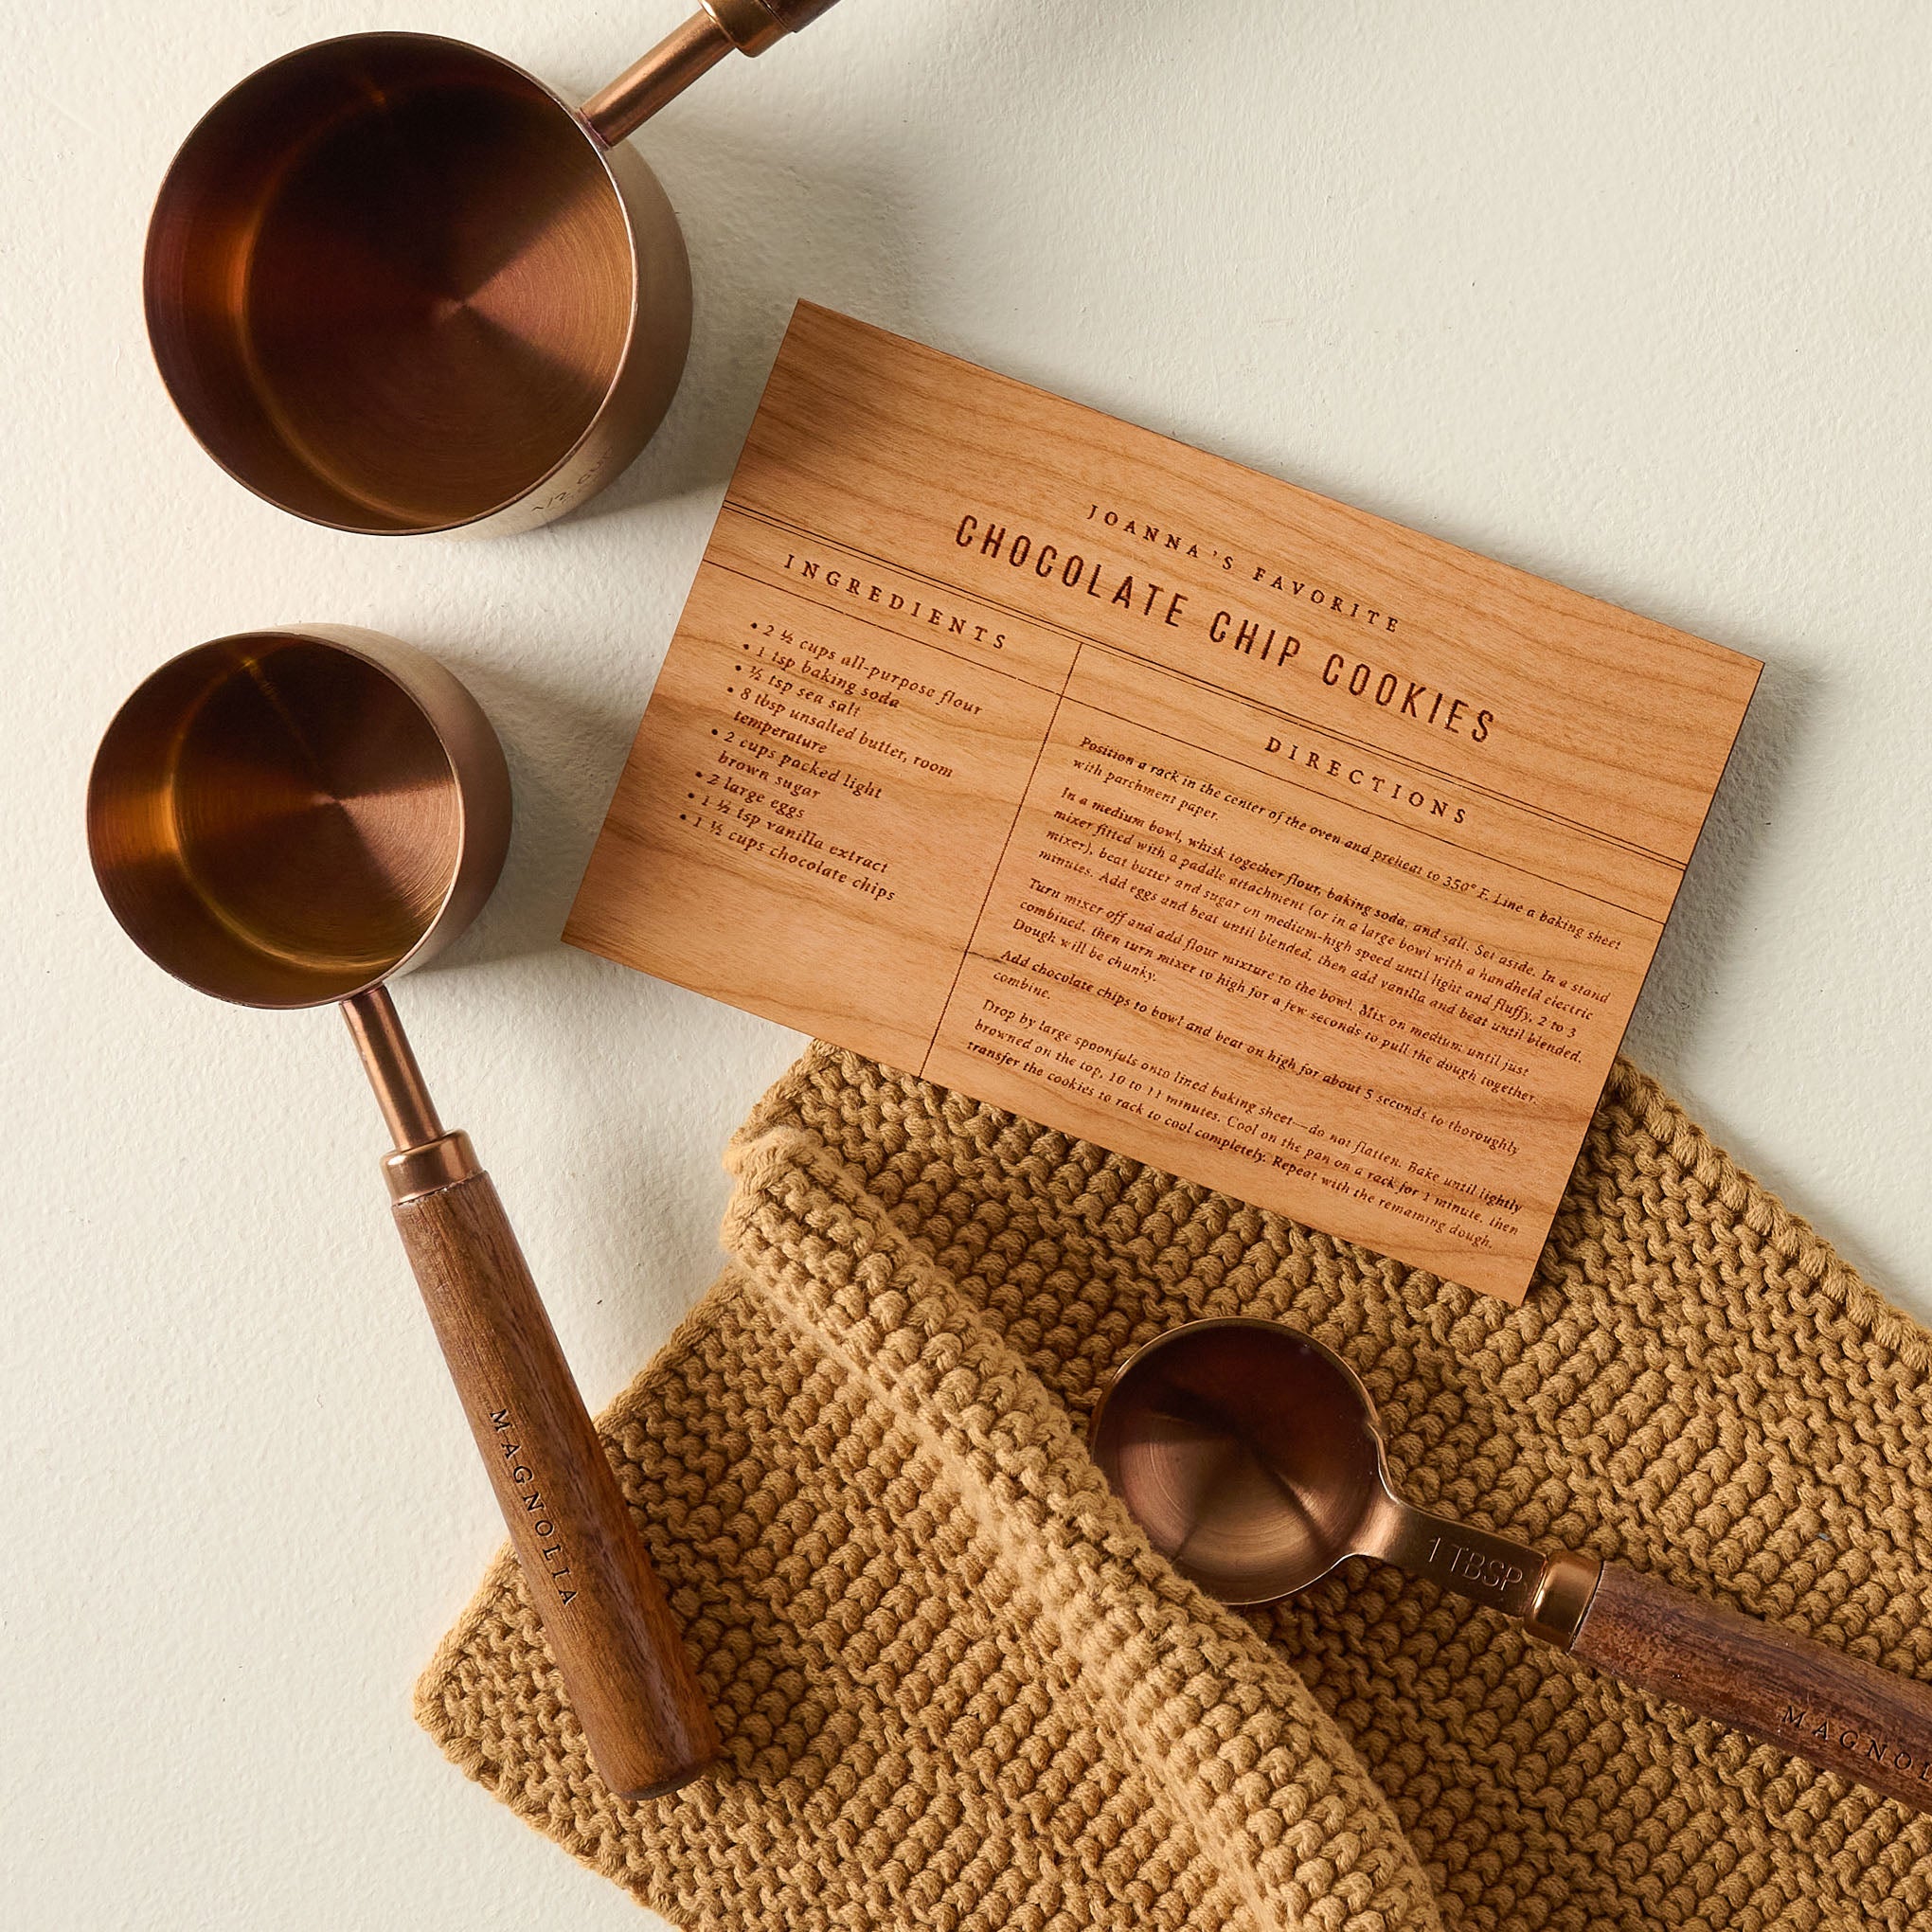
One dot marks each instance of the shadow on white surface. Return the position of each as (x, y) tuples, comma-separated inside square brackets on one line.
[(1706, 925)]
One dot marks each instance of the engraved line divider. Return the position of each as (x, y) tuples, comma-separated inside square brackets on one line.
[(1176, 846), (1000, 864), (839, 610), (1362, 744), (1218, 691), (1356, 805), (1290, 776), (1366, 745)]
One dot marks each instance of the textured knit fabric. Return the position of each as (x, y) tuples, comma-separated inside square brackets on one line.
[(957, 1689)]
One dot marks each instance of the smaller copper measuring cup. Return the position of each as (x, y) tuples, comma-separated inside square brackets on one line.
[(287, 818), (395, 284), (1250, 1456)]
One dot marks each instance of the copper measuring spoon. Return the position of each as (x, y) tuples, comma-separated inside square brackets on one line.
[(290, 817), (1249, 1455), (395, 284)]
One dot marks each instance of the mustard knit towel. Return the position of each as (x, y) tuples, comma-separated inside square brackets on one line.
[(957, 1689)]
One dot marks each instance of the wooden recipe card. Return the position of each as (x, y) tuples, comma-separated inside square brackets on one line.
[(1164, 802)]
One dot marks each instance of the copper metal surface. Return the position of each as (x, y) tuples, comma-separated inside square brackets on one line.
[(429, 1166), (395, 284), (1564, 1598), (283, 818), (288, 818), (1249, 1454), (389, 1061), (751, 24), (694, 49)]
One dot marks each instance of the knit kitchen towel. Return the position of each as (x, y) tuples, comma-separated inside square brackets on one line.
[(957, 1689)]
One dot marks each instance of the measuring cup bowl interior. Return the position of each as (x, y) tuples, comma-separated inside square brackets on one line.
[(286, 818), (1246, 1451), (394, 284)]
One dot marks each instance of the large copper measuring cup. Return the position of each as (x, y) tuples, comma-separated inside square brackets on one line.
[(290, 817), (1249, 1455), (395, 284)]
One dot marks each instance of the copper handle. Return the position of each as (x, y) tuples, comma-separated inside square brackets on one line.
[(617, 111), (1835, 1711)]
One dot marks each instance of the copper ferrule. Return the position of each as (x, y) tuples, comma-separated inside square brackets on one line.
[(414, 1171), (752, 26), (1562, 1598)]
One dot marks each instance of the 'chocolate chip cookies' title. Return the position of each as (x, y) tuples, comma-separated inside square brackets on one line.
[(1261, 639)]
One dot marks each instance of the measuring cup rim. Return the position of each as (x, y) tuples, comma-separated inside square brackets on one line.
[(606, 154), (479, 778), (1170, 1337)]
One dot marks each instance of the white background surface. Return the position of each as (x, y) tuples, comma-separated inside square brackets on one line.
[(1636, 296)]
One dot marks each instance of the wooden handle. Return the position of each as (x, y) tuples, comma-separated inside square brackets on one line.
[(603, 1610), (1814, 1701)]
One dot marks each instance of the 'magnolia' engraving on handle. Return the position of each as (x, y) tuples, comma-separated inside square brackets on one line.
[(556, 1563), (1820, 1728)]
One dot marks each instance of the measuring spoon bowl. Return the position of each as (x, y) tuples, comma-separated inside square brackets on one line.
[(1248, 1454)]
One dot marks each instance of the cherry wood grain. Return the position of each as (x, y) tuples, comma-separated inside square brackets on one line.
[(1233, 829), (1833, 1710), (604, 1612)]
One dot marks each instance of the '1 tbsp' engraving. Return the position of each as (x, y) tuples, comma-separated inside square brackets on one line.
[(1472, 1568), (1820, 1727), (555, 1563)]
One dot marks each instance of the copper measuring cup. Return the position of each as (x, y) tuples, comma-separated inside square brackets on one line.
[(290, 817), (395, 284), (1249, 1455)]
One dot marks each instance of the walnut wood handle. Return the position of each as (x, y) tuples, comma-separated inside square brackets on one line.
[(1838, 1712), (610, 1629)]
